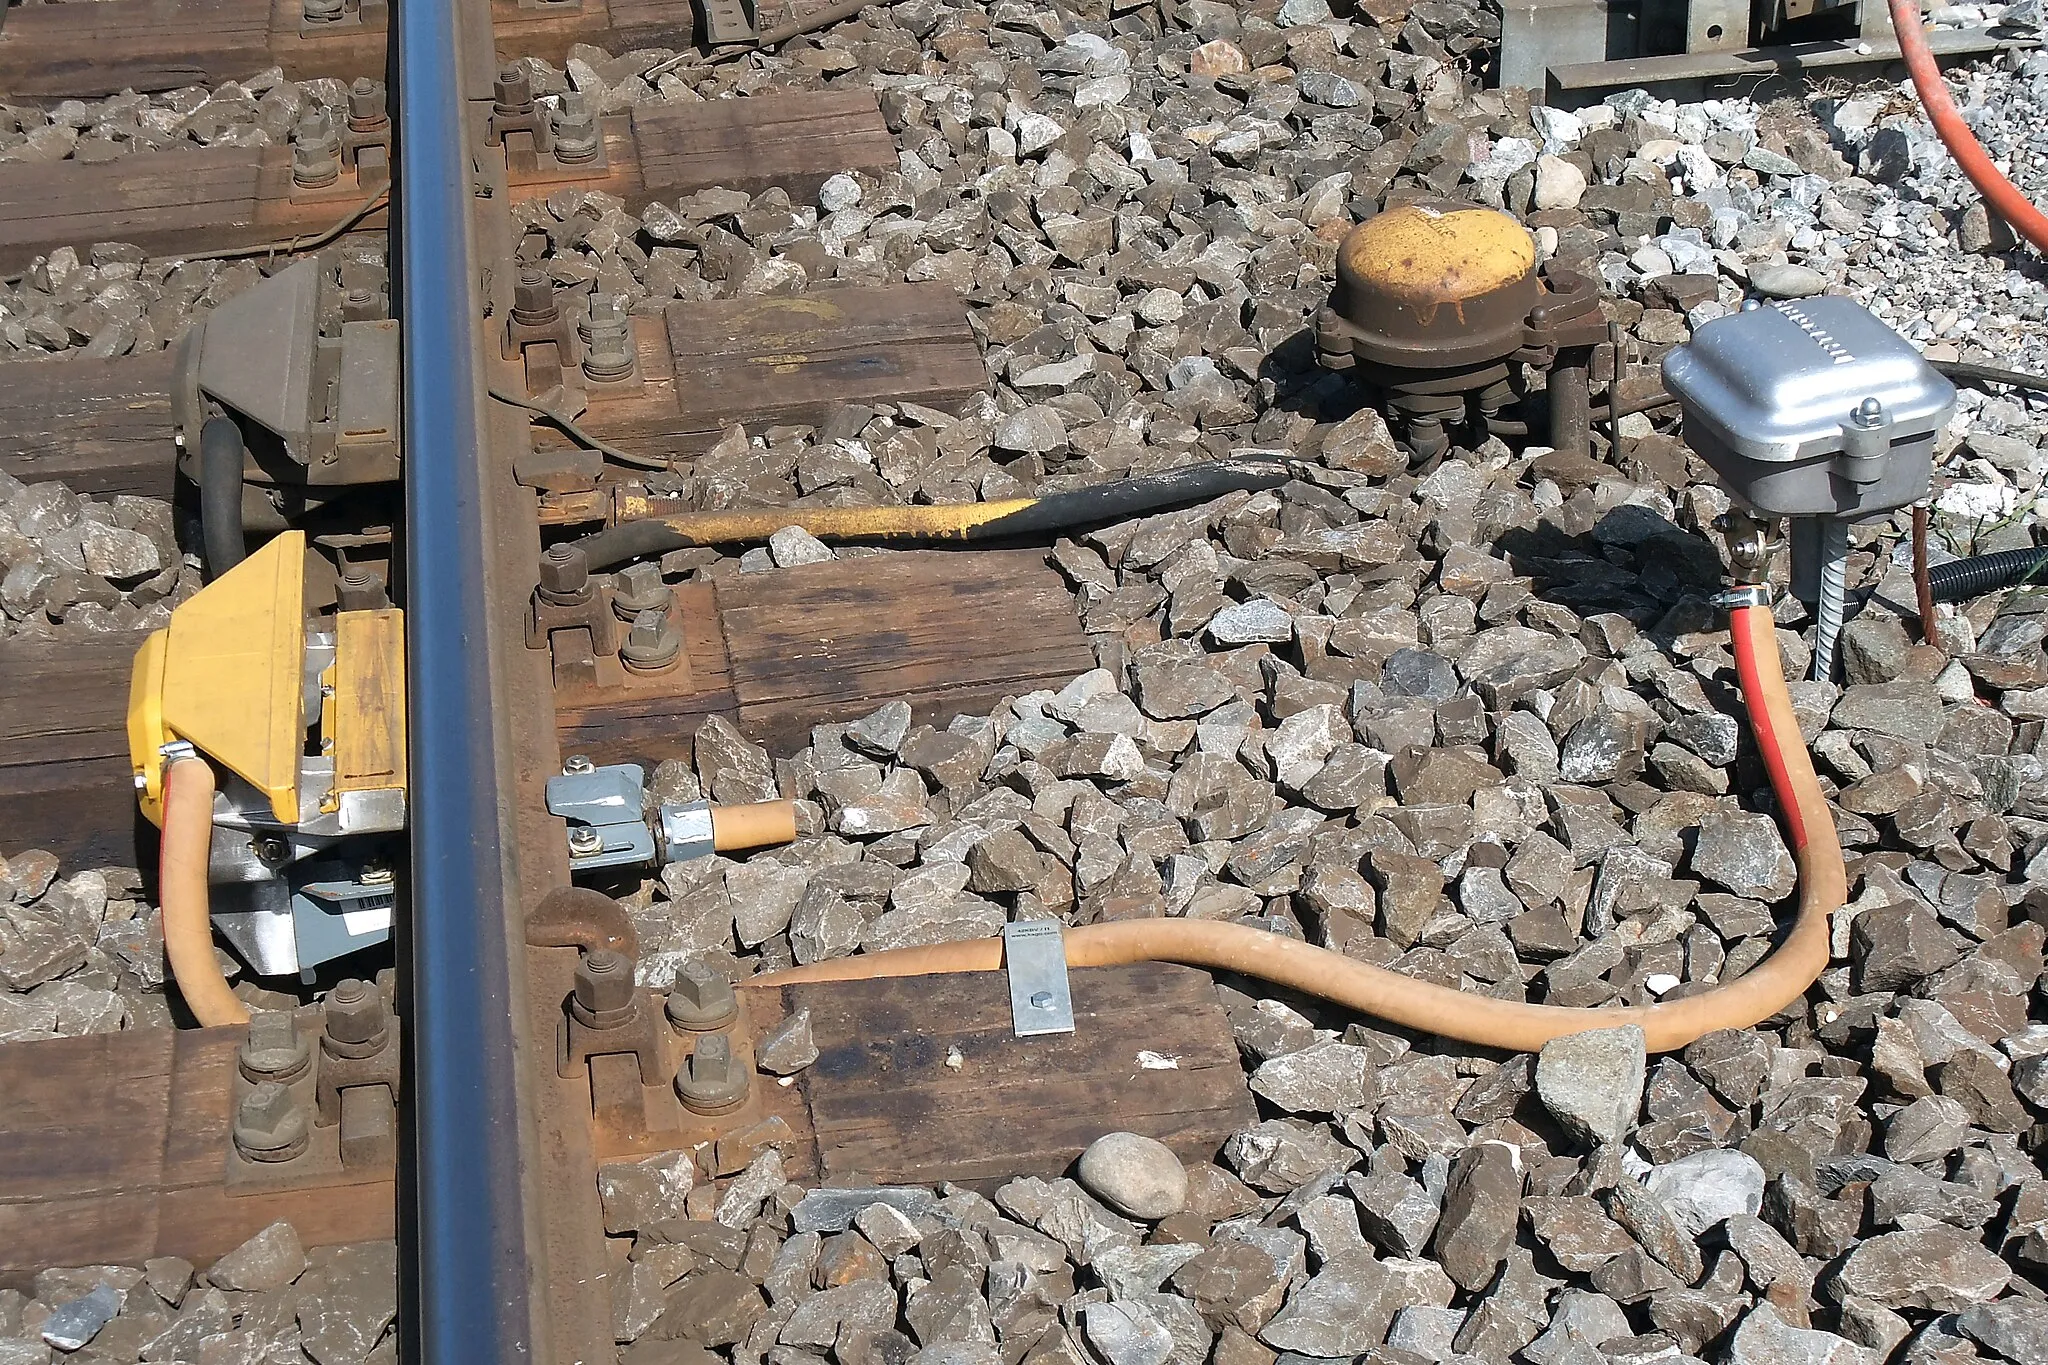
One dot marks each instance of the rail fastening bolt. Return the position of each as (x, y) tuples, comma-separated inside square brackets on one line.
[(702, 999), (512, 92), (585, 842), (564, 572), (269, 1124), (575, 128), (637, 588), (577, 764), (605, 991), (273, 1049), (533, 298), (355, 1016), (316, 150), (713, 1081), (366, 107), (653, 644)]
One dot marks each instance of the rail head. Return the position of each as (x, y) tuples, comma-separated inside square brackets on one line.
[(471, 1299)]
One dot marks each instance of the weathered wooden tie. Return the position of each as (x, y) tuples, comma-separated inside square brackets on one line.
[(192, 199), (150, 45)]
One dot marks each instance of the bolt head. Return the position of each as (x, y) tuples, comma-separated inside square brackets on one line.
[(268, 1119), (713, 1081), (273, 1049), (578, 763), (702, 998), (584, 841)]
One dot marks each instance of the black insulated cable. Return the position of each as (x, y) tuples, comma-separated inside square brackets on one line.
[(221, 454), (1961, 579)]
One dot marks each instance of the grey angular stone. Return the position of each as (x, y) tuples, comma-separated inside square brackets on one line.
[(949, 1308), (2015, 1328), (712, 1306), (862, 1308), (1126, 1334), (880, 733), (638, 1194), (1746, 854), (1939, 1268), (1233, 1285), (1281, 1155), (272, 1259), (1764, 1338), (1325, 1077), (1644, 1216), (1394, 1211), (1482, 1205), (1592, 1082), (833, 1210), (1903, 710), (354, 1303), (1931, 1126), (1343, 1311), (1708, 1187), (789, 1047), (1578, 1235), (74, 1323), (1034, 430), (1127, 1271), (1259, 620)]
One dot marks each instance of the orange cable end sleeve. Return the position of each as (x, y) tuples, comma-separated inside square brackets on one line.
[(186, 845)]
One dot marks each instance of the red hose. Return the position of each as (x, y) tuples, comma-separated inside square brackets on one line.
[(1772, 745), (2001, 196)]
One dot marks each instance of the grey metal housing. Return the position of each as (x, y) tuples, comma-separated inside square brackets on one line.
[(1811, 408)]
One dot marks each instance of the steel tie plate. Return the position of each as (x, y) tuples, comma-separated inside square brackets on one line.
[(1035, 956)]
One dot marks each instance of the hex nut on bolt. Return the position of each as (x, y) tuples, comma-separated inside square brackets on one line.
[(564, 573), (576, 135), (269, 1125), (357, 1022), (274, 1049), (713, 1081), (702, 999), (605, 993)]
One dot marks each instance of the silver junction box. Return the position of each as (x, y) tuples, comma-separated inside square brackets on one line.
[(1811, 408)]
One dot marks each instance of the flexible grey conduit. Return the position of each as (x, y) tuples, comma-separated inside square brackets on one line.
[(220, 494)]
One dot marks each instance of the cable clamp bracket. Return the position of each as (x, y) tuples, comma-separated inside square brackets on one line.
[(1035, 958)]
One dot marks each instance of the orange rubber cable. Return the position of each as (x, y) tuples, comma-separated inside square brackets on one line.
[(186, 845), (1769, 987), (2001, 196)]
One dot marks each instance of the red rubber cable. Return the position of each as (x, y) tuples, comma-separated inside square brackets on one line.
[(2001, 196), (1770, 743)]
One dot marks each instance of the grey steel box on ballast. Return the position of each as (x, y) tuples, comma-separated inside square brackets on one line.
[(1811, 408)]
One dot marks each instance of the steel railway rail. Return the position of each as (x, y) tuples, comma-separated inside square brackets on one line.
[(468, 1196)]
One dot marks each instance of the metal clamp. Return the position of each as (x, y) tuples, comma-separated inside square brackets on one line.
[(602, 806), (1743, 595), (1035, 957)]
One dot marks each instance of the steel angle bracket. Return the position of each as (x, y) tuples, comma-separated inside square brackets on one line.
[(1035, 957)]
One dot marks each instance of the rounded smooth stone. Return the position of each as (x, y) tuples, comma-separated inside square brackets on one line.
[(1137, 1176), (1787, 281)]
